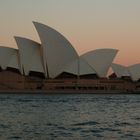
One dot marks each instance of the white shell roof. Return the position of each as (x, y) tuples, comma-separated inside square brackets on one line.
[(100, 60), (134, 71), (30, 55), (58, 51), (79, 67), (9, 57), (120, 70)]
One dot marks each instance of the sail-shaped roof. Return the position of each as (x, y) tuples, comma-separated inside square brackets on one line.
[(80, 67), (9, 57), (120, 70), (134, 71), (58, 51), (100, 60), (30, 55)]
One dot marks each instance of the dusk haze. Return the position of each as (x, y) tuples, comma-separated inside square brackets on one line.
[(88, 24), (69, 69)]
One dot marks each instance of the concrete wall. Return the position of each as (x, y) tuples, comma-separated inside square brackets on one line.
[(14, 81)]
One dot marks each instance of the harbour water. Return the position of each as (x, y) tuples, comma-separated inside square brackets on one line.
[(69, 117)]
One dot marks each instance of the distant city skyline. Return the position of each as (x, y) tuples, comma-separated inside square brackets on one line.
[(87, 24)]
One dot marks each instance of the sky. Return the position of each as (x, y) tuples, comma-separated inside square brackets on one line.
[(87, 24)]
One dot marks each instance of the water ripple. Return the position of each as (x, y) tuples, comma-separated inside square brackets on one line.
[(69, 117), (86, 123)]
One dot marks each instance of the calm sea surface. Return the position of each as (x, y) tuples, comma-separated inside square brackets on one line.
[(69, 117)]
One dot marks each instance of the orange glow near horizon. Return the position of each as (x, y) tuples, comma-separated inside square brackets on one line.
[(88, 25)]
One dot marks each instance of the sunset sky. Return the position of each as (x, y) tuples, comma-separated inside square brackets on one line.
[(87, 24)]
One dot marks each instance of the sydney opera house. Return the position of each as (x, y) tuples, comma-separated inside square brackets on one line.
[(54, 65)]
